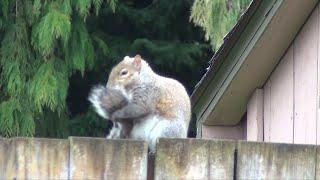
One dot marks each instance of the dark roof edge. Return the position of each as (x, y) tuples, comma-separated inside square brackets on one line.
[(218, 58)]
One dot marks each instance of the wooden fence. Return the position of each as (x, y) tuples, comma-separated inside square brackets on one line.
[(97, 158)]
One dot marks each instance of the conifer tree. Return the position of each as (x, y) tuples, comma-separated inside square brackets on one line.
[(217, 17), (43, 42)]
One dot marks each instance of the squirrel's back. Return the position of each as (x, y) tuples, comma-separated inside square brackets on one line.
[(173, 102)]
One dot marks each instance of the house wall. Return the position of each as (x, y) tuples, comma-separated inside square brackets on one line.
[(236, 132), (287, 108), (291, 94)]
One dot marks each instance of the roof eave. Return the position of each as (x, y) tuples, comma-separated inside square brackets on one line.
[(228, 42)]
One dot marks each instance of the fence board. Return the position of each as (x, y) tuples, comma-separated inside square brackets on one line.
[(318, 163), (4, 145), (98, 158), (275, 161), (48, 159), (15, 163), (27, 158), (194, 159)]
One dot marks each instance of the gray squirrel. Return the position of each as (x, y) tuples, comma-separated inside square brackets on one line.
[(142, 104)]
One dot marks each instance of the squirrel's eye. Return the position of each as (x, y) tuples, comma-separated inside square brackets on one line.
[(123, 72)]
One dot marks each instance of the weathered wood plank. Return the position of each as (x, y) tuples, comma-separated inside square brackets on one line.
[(194, 159), (318, 163), (305, 81), (98, 158), (282, 100), (48, 159), (4, 146), (275, 161), (255, 116), (30, 158), (15, 160), (266, 111)]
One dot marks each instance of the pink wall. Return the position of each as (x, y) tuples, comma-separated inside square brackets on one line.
[(236, 132), (287, 107), (291, 94)]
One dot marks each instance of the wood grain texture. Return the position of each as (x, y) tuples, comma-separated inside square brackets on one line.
[(282, 100), (4, 147), (292, 93), (255, 116), (305, 77), (194, 159), (15, 159), (28, 158), (318, 164), (48, 159), (275, 161), (267, 111), (98, 158)]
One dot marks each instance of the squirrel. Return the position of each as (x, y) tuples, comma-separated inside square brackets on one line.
[(142, 104)]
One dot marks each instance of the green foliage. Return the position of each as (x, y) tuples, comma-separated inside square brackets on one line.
[(53, 26), (182, 54), (49, 86), (217, 17), (83, 6), (87, 124), (43, 43), (80, 51), (51, 124), (9, 114), (16, 119)]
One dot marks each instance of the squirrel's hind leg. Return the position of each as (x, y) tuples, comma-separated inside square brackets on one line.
[(166, 128), (115, 132), (120, 130)]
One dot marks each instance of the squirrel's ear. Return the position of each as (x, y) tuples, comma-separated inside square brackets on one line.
[(137, 61)]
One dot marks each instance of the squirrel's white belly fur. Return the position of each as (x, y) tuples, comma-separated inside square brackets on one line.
[(152, 127), (142, 128)]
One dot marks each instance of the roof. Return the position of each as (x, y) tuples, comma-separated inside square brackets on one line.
[(219, 56), (250, 51)]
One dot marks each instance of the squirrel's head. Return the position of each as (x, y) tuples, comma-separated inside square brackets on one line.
[(126, 73)]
